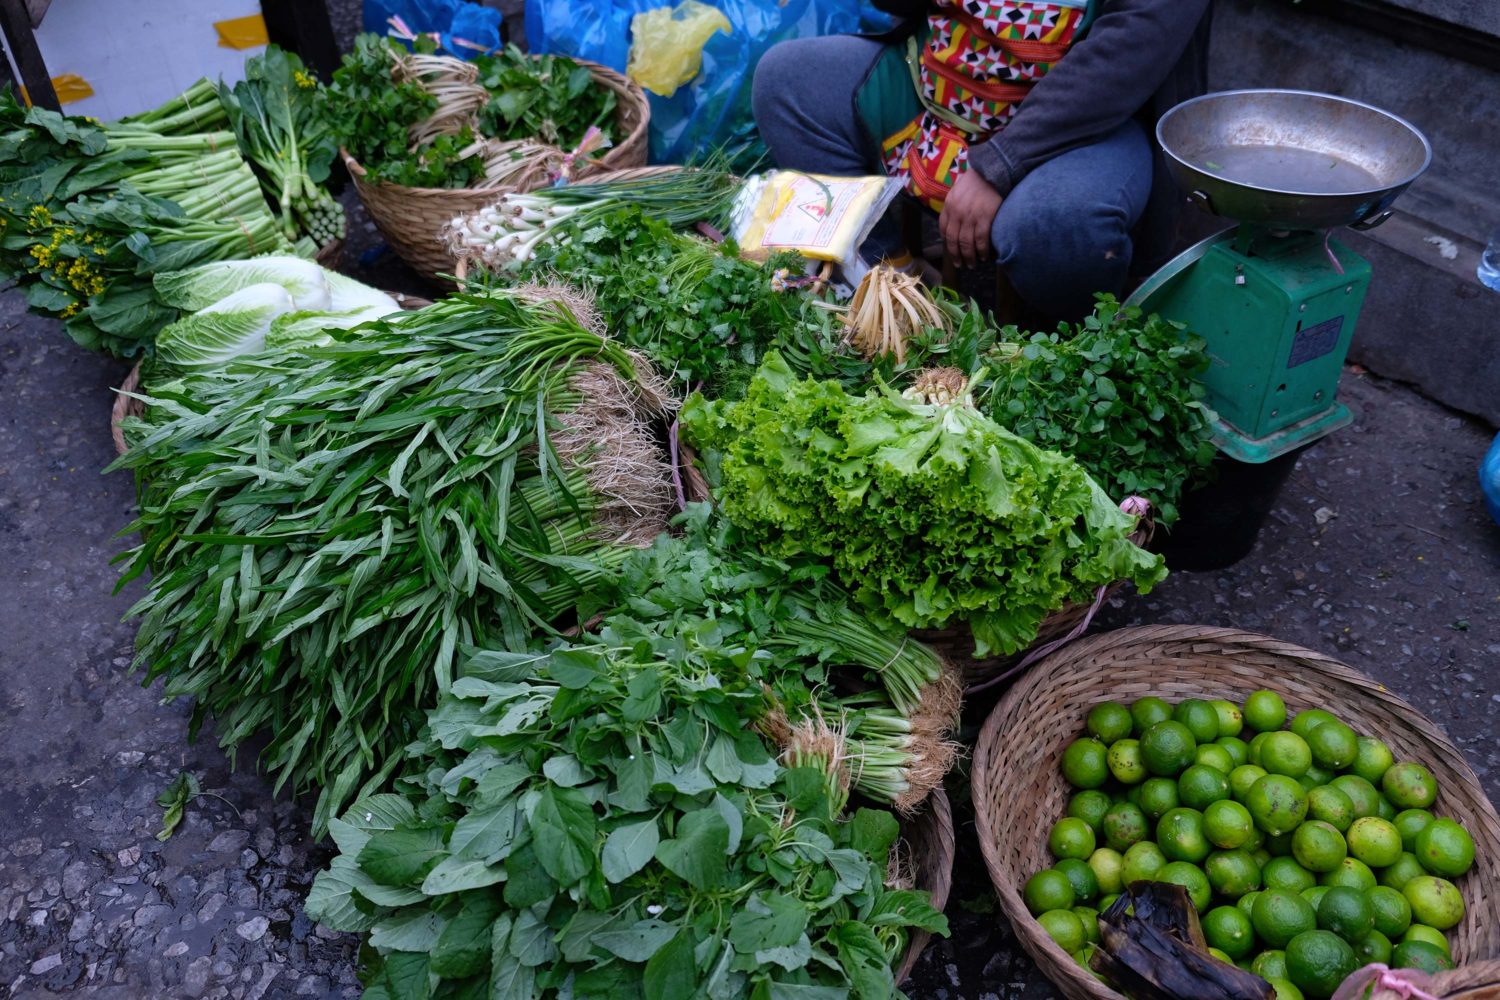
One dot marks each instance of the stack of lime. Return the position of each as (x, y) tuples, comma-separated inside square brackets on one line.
[(1309, 851)]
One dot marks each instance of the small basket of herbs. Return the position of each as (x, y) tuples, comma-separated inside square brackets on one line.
[(427, 138)]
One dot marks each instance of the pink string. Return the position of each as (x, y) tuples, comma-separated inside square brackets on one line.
[(1132, 505), (592, 139), (1406, 983), (676, 466), (1332, 257)]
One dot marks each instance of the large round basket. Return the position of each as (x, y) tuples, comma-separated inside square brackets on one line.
[(956, 643), (929, 835), (1475, 981), (126, 405), (1019, 791), (412, 219)]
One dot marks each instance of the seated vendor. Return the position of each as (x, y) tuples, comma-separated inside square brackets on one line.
[(1026, 125)]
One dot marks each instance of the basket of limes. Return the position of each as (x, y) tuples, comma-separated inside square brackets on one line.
[(1318, 822)]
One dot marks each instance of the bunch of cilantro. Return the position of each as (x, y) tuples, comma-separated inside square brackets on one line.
[(1119, 392), (928, 514), (602, 820)]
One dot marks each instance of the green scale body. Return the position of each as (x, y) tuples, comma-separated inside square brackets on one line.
[(1278, 319)]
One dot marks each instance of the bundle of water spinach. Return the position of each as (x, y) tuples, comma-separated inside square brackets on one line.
[(604, 821), (325, 528)]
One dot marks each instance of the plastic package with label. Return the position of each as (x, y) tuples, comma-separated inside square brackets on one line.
[(1489, 480), (819, 216), (462, 29)]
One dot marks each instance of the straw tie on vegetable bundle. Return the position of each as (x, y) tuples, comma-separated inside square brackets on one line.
[(325, 530)]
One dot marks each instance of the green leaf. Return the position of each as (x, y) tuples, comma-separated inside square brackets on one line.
[(628, 849), (575, 668), (872, 832), (670, 974), (331, 900), (531, 938), (638, 942), (463, 947), (409, 930), (562, 825), (486, 834), (645, 697), (402, 857), (771, 920), (457, 874), (509, 979), (527, 883), (406, 976), (696, 854)]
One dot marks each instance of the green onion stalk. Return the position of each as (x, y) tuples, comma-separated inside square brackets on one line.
[(891, 758), (913, 675), (326, 532)]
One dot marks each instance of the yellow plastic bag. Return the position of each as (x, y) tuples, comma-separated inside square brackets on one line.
[(667, 46), (818, 216)]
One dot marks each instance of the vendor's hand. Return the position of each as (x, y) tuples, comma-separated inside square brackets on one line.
[(968, 213)]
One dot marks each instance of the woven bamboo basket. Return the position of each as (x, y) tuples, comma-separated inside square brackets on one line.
[(412, 219), (956, 643), (128, 406), (1019, 791), (930, 836)]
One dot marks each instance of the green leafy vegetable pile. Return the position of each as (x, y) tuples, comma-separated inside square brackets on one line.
[(929, 514), (1119, 392), (602, 821), (546, 97), (324, 530)]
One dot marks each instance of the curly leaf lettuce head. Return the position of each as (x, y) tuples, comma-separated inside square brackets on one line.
[(928, 513)]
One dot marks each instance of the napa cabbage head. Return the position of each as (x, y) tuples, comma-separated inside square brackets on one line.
[(200, 287), (347, 294), (300, 330), (232, 327)]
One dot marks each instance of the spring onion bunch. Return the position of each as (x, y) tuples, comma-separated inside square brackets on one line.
[(325, 530), (513, 227)]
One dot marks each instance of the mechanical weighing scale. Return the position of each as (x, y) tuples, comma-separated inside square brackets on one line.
[(1275, 297)]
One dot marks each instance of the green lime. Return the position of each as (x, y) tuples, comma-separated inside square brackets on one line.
[(1230, 719), (1230, 931), (1280, 916), (1409, 786), (1237, 749), (1232, 874), (1333, 745), (1147, 712), (1262, 856), (1214, 756), (1200, 718), (1287, 875), (1257, 837), (1071, 838), (1191, 878), (1089, 806), (1221, 955), (1351, 872), (1270, 964), (1318, 775), (1106, 864), (1318, 961), (1445, 848), (1279, 845), (1372, 759), (1200, 786), (1105, 902), (1347, 912), (1064, 927), (1308, 782), (1081, 877), (1374, 841), (1142, 862), (1247, 901), (1168, 748), (1434, 901), (1384, 809), (1124, 825), (1124, 759), (1089, 917), (1227, 824), (1048, 889), (1314, 895), (1431, 935), (1285, 989), (1157, 797), (1243, 778), (1254, 747), (1363, 794), (1265, 711), (1329, 804), (1318, 846), (1406, 868), (1429, 958), (1410, 822), (1181, 836), (1108, 721), (1305, 722), (1277, 803), (1083, 763), (1373, 948), (1392, 911), (1285, 753)]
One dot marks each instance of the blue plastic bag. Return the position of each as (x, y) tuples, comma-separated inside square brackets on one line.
[(1489, 480), (714, 109), (463, 29)]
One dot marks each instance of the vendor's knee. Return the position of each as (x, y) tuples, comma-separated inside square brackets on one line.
[(1057, 254), (780, 75)]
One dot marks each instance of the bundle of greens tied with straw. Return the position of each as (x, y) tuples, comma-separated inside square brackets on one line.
[(324, 530)]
